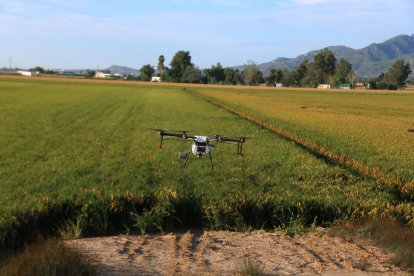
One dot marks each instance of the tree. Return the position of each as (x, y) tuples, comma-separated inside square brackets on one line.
[(274, 77), (146, 72), (160, 66), (215, 74), (344, 72), (231, 76), (324, 63), (396, 76), (179, 64), (165, 75), (191, 74), (39, 69), (251, 75), (89, 73), (302, 70), (288, 77)]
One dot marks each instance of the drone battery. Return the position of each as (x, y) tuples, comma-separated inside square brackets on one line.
[(183, 155)]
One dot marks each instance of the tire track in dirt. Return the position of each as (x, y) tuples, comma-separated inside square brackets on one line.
[(221, 252)]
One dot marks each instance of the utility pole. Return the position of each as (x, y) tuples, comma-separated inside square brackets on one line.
[(10, 62)]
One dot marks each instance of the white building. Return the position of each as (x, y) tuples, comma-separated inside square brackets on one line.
[(156, 79), (25, 73), (102, 75), (324, 86)]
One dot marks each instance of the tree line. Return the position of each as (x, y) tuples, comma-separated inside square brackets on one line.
[(324, 69)]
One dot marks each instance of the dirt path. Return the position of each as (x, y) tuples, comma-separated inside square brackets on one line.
[(221, 252)]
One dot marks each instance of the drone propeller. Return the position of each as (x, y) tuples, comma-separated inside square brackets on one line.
[(182, 131)]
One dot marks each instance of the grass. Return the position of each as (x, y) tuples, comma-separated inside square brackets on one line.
[(78, 159), (47, 257), (386, 234), (251, 267)]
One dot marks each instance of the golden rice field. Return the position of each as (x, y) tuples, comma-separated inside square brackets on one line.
[(374, 128)]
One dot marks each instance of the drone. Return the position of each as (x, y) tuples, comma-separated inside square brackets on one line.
[(201, 145)]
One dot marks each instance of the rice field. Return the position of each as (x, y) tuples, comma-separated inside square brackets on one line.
[(81, 155), (375, 128)]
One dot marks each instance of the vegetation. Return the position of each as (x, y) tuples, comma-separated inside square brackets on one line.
[(78, 160), (182, 69), (47, 257), (394, 78), (371, 128), (251, 267), (387, 234), (90, 74), (251, 75), (324, 69), (146, 72)]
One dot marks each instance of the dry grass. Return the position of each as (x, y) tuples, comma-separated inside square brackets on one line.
[(251, 267), (387, 234), (48, 257)]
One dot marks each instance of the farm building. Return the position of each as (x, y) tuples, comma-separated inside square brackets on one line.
[(324, 86), (25, 73), (344, 86), (102, 75), (156, 79)]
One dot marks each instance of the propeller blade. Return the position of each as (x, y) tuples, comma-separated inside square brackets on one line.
[(182, 131)]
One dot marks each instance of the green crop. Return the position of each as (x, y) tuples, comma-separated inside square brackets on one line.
[(79, 157)]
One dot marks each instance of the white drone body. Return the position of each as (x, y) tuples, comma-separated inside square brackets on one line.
[(200, 146)]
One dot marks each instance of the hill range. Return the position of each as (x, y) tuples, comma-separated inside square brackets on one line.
[(369, 61)]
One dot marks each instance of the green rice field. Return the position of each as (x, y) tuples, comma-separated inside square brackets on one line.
[(82, 155)]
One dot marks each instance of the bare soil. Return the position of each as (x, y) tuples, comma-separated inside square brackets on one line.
[(228, 253)]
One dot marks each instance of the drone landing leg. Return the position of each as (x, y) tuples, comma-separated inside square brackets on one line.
[(211, 160), (186, 158)]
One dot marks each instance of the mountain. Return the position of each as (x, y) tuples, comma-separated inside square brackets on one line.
[(370, 61), (122, 70)]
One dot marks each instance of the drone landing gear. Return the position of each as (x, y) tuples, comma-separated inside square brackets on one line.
[(211, 160), (186, 156), (240, 149)]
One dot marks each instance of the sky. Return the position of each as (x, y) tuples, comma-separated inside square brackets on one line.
[(89, 34)]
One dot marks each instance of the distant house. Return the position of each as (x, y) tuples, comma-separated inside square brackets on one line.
[(102, 75), (344, 86), (360, 85), (324, 86), (25, 73), (156, 79)]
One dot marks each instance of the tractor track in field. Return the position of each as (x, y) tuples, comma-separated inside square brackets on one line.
[(226, 253), (404, 189)]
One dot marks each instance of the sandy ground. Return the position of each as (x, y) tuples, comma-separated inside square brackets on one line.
[(227, 253)]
